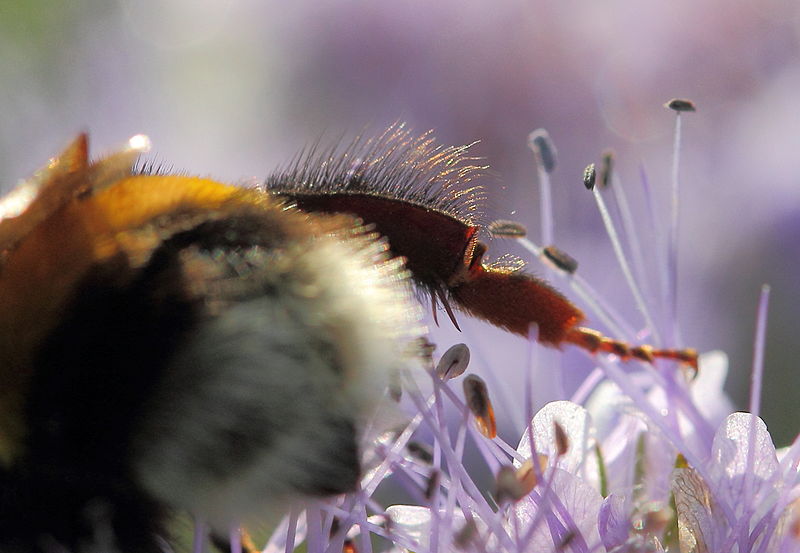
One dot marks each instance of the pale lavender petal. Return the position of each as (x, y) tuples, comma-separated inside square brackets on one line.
[(619, 427), (658, 463), (743, 452), (707, 390), (580, 506), (620, 451), (698, 530), (606, 405), (577, 424), (613, 522), (412, 520)]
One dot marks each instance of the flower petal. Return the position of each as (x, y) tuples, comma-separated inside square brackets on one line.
[(612, 522), (746, 466), (707, 388), (576, 513), (577, 425)]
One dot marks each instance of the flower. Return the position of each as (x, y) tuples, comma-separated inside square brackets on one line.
[(643, 458), (750, 500)]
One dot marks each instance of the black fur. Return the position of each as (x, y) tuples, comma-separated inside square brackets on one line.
[(92, 377)]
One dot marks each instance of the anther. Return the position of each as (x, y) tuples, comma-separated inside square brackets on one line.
[(527, 475), (477, 396), (421, 452), (464, 537), (502, 228), (542, 145), (606, 168), (566, 540), (680, 104), (433, 484), (589, 176), (561, 438), (453, 363), (507, 486), (561, 259)]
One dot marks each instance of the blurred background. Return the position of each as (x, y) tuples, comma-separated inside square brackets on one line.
[(233, 89)]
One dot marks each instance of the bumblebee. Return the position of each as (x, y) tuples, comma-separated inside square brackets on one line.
[(172, 343), (175, 343)]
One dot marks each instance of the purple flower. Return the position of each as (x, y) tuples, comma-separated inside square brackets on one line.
[(750, 499), (643, 458)]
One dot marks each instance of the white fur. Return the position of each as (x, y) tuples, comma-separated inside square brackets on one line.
[(253, 365)]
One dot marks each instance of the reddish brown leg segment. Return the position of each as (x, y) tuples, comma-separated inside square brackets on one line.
[(595, 342), (516, 301)]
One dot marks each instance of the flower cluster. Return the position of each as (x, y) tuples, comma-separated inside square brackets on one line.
[(643, 458)]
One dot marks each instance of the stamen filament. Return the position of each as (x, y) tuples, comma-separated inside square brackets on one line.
[(623, 263), (631, 236), (672, 245), (757, 375)]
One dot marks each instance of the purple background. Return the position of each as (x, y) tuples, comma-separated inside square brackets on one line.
[(233, 89)]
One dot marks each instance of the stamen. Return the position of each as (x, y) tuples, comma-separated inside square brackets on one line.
[(453, 363), (589, 176), (545, 152), (464, 537), (543, 147), (561, 259), (567, 540), (606, 168), (514, 484), (421, 452), (757, 375), (680, 104), (561, 438), (477, 399), (432, 484), (623, 263), (502, 228), (528, 475), (507, 488), (628, 226)]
